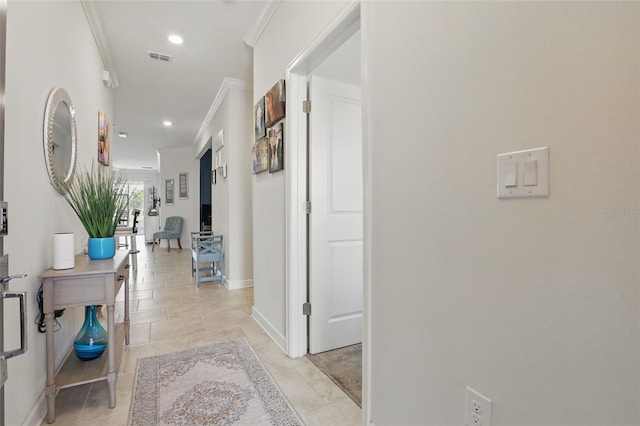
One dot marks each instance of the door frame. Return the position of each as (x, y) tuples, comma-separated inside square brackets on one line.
[(3, 54), (343, 26)]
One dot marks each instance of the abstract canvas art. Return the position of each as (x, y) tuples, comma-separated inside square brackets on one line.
[(276, 148), (260, 156), (104, 130), (260, 129), (275, 103)]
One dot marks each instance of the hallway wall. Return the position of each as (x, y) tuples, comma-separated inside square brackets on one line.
[(532, 302), (238, 136), (231, 113), (172, 162), (49, 44), (292, 27)]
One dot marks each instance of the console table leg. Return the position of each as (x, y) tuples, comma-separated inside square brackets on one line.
[(50, 389), (134, 250), (126, 309), (50, 394), (111, 373), (111, 380)]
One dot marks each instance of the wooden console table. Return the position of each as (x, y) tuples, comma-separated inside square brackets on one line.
[(91, 282)]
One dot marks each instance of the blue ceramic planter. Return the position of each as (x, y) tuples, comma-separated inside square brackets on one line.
[(101, 248)]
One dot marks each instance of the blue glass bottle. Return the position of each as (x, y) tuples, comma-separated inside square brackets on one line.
[(91, 340)]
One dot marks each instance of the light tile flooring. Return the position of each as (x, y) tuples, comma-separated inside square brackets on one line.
[(168, 314)]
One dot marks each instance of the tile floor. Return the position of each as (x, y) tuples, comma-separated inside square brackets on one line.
[(168, 313)]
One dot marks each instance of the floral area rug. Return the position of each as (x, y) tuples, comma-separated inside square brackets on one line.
[(222, 384)]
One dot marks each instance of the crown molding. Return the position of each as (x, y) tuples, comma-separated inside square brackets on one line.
[(227, 84), (252, 36), (101, 42)]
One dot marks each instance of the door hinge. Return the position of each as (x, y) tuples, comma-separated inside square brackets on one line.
[(306, 309), (307, 207), (4, 224), (306, 106)]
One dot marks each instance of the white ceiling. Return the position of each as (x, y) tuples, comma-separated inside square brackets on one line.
[(151, 91)]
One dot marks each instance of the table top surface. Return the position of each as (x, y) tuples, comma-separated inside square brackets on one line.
[(125, 231), (86, 266)]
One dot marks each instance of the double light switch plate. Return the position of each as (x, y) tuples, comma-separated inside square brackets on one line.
[(524, 174)]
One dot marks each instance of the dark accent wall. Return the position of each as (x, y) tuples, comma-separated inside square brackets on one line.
[(205, 190)]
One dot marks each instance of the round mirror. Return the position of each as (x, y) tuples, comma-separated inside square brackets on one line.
[(60, 143)]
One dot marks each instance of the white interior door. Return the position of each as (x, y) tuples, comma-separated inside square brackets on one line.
[(335, 222)]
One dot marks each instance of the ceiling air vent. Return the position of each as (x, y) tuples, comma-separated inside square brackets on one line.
[(159, 56)]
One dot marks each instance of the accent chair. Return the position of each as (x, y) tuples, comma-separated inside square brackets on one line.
[(172, 231)]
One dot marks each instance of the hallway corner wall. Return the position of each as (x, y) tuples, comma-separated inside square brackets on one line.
[(532, 302), (292, 27), (49, 44), (231, 195), (172, 162)]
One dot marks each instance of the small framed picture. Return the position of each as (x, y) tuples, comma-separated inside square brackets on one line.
[(213, 176), (276, 154), (260, 155), (260, 129), (183, 185), (275, 103), (168, 192), (104, 140)]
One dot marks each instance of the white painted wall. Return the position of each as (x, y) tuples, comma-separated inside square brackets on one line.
[(49, 44), (532, 302), (472, 80), (292, 27), (232, 113), (172, 162), (148, 177), (238, 137)]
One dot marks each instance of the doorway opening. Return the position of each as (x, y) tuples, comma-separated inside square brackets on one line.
[(205, 191), (299, 269), (335, 260), (344, 26), (135, 192)]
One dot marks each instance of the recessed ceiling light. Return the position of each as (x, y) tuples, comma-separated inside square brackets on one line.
[(123, 135), (167, 123), (175, 39)]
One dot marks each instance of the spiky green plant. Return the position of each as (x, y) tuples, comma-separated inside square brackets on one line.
[(99, 199)]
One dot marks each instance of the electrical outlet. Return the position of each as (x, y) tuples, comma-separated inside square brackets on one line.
[(477, 409)]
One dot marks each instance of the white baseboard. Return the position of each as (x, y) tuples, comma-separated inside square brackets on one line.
[(38, 412), (238, 284), (271, 331)]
